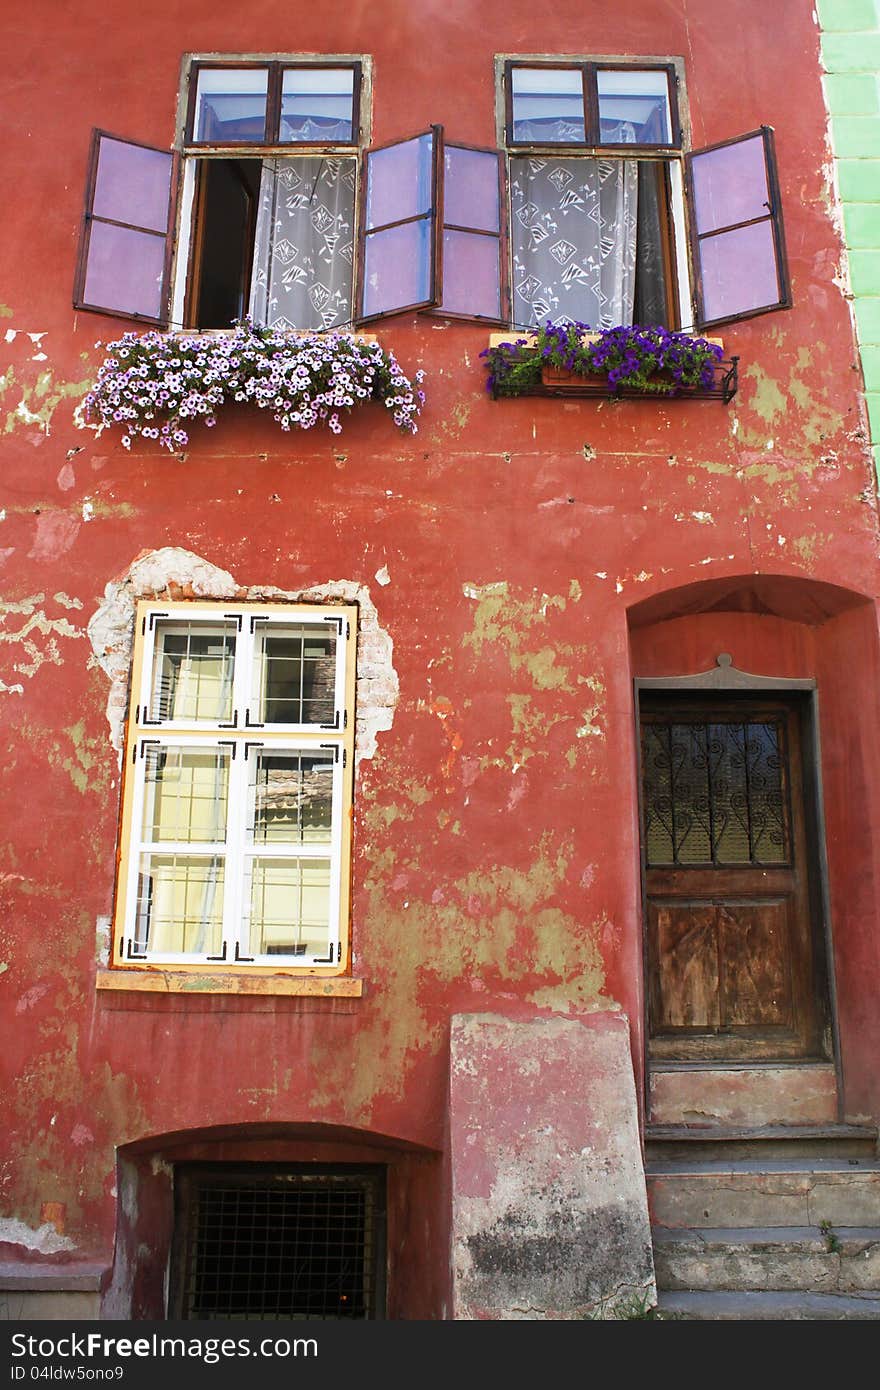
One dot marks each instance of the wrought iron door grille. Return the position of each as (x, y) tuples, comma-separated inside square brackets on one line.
[(291, 1245)]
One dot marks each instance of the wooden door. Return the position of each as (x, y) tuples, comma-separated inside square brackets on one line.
[(731, 951)]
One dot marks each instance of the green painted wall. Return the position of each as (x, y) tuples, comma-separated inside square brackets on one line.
[(851, 57)]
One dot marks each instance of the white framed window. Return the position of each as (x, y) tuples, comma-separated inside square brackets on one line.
[(235, 839)]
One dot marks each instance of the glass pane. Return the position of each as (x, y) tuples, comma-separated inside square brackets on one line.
[(185, 794), (316, 104), (295, 675), (548, 105), (288, 903), (179, 905), (125, 271), (132, 185), (397, 268), (193, 666), (714, 793), (471, 274), (400, 181), (291, 798), (470, 190), (633, 107), (730, 184), (738, 271), (231, 105)]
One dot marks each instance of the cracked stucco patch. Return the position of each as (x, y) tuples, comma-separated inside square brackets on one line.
[(45, 1240), (34, 641), (172, 573)]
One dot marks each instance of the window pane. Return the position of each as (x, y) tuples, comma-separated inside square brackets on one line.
[(400, 182), (633, 107), (397, 268), (739, 271), (185, 794), (470, 190), (730, 184), (295, 676), (317, 104), (471, 275), (132, 184), (288, 904), (179, 905), (231, 105), (192, 672), (548, 105), (291, 798), (125, 270)]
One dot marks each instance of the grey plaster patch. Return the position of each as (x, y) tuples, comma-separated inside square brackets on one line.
[(111, 632)]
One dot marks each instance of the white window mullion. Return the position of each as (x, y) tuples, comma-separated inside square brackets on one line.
[(235, 835)]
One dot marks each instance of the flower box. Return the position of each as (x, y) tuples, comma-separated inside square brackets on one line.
[(561, 381)]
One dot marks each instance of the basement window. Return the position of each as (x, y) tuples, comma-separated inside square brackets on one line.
[(238, 786), (298, 1243)]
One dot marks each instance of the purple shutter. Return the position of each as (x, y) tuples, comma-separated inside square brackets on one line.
[(736, 229), (399, 267), (126, 238), (473, 280)]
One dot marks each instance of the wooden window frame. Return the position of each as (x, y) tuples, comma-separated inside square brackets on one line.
[(773, 216), (275, 70), (589, 69), (240, 735), (434, 214), (89, 217)]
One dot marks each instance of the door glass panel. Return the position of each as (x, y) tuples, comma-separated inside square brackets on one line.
[(179, 905), (295, 676), (185, 794), (288, 907), (291, 798), (715, 793), (192, 672)]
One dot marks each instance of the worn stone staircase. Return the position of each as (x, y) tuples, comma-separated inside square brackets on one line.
[(772, 1224)]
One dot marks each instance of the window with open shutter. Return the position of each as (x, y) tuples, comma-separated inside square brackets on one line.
[(125, 246), (736, 229), (473, 282)]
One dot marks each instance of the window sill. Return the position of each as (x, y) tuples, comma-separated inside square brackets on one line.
[(196, 982)]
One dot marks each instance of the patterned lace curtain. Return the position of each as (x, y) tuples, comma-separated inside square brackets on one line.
[(574, 239), (304, 244)]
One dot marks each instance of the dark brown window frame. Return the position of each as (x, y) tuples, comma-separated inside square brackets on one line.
[(773, 216), (502, 236), (589, 68), (435, 213), (79, 301), (275, 70)]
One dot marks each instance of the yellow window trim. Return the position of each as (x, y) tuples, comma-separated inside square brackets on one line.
[(229, 977)]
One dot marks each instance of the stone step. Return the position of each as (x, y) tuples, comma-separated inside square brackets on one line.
[(772, 1192), (780, 1258), (754, 1305), (665, 1143)]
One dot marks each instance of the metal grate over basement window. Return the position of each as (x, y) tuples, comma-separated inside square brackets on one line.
[(292, 1243)]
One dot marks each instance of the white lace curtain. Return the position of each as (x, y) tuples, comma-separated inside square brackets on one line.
[(304, 244), (574, 224)]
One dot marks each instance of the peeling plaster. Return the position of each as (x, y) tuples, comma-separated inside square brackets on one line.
[(45, 1240), (36, 641), (172, 573)]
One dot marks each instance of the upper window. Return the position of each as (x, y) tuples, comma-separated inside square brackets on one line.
[(273, 207), (586, 104), (235, 828), (601, 202)]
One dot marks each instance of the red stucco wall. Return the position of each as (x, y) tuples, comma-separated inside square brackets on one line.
[(496, 834)]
